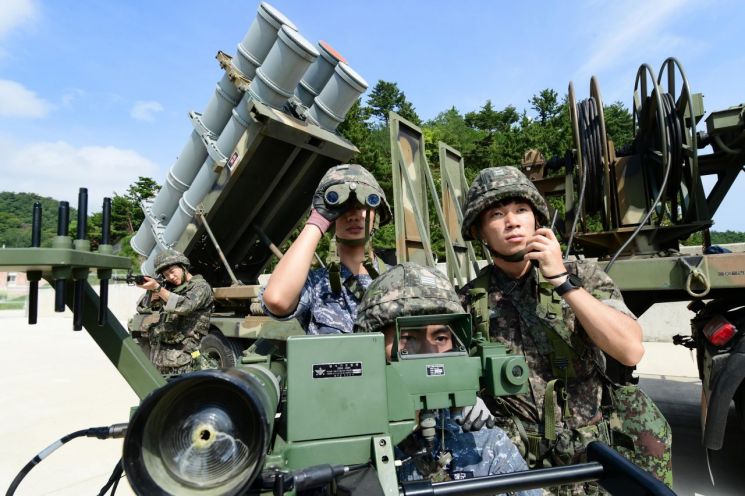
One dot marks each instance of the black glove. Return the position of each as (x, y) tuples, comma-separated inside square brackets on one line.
[(327, 212)]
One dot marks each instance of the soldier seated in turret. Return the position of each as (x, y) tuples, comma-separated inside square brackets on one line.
[(412, 290), (351, 202), (182, 304)]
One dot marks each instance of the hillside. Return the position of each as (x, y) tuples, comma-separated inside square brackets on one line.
[(15, 218)]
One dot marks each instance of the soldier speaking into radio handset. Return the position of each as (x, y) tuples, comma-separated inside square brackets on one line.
[(350, 203), (560, 316), (182, 302)]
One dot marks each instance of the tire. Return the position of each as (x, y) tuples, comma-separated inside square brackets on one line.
[(740, 406), (217, 348)]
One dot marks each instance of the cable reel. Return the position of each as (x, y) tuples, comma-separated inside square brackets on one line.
[(653, 128), (592, 158), (684, 176)]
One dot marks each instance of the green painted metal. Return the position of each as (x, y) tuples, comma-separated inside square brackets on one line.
[(112, 338), (117, 345), (316, 374), (411, 208), (413, 183), (462, 266), (45, 259)]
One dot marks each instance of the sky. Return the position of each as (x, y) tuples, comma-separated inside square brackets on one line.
[(95, 93)]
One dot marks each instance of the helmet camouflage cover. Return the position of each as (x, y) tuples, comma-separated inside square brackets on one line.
[(405, 290), (170, 257), (355, 173), (495, 184)]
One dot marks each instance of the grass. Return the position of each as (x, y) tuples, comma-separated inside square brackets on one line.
[(16, 303)]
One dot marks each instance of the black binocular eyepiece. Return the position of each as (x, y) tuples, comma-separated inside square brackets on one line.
[(338, 194)]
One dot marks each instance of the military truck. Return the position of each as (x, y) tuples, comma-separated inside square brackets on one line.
[(647, 197)]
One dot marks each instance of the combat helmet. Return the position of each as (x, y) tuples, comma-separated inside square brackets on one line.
[(493, 185), (355, 179), (408, 289), (170, 257)]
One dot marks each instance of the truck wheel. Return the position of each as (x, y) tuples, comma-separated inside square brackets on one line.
[(217, 349), (740, 406)]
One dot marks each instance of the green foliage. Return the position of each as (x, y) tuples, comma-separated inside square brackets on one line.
[(385, 97), (619, 124), (126, 214), (16, 211), (717, 238)]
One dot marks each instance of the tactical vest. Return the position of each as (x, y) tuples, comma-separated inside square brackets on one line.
[(644, 438), (333, 263)]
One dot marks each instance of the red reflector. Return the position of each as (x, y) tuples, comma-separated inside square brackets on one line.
[(719, 331)]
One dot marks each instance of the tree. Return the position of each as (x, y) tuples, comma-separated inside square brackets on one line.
[(619, 124), (385, 97), (126, 213), (546, 104)]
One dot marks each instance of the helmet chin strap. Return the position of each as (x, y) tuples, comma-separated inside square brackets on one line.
[(515, 257), (334, 260)]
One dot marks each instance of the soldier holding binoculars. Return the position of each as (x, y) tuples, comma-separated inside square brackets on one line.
[(350, 202)]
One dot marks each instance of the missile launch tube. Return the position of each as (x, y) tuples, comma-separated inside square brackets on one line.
[(337, 97), (251, 52)]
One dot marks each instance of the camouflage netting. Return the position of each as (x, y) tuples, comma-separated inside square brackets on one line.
[(407, 290), (495, 184)]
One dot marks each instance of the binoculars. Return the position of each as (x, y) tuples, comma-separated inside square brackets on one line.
[(338, 194)]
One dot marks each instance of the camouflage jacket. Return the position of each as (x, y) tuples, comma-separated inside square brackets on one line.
[(514, 321), (320, 310), (474, 454), (187, 311)]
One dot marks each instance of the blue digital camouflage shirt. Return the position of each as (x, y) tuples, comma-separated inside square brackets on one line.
[(320, 310), (475, 454)]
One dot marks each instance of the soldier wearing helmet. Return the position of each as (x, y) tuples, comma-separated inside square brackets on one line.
[(410, 290), (351, 203), (182, 302), (560, 315)]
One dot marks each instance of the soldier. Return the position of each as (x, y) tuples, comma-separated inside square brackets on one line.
[(349, 199), (184, 303), (562, 317), (412, 290)]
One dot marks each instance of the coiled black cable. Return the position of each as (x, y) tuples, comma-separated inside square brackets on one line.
[(674, 134), (112, 431), (591, 190)]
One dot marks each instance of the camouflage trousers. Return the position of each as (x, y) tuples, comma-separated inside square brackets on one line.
[(634, 427), (648, 437), (568, 448), (176, 356)]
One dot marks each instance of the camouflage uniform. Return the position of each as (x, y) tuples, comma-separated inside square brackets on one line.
[(321, 310), (408, 290), (184, 321), (475, 454), (518, 320), (148, 317)]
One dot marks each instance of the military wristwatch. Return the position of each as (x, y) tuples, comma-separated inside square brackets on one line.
[(573, 282)]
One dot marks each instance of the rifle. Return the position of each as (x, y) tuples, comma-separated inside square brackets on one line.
[(136, 279)]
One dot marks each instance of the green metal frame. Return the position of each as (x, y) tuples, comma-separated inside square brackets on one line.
[(112, 338), (454, 186)]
